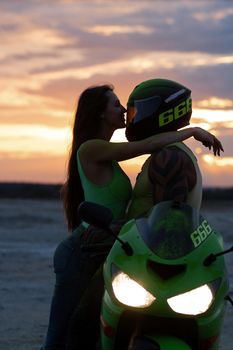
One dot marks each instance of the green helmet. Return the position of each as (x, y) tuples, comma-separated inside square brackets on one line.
[(155, 106)]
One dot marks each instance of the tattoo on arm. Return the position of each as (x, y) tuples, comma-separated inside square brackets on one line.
[(172, 174)]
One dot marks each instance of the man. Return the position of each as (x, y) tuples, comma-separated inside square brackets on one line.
[(171, 173)]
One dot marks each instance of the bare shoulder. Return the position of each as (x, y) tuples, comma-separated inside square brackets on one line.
[(89, 144), (92, 148)]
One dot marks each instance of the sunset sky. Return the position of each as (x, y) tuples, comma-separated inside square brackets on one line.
[(52, 50)]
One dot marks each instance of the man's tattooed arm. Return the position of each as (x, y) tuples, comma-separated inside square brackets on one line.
[(172, 173)]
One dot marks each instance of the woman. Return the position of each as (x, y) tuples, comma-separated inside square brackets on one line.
[(95, 175)]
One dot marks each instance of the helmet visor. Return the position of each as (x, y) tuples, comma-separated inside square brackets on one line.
[(142, 109)]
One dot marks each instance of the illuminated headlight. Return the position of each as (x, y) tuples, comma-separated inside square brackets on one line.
[(131, 293), (194, 302)]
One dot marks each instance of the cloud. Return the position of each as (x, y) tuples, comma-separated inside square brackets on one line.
[(16, 98), (214, 102), (216, 16), (213, 161), (213, 116), (25, 140), (142, 62), (109, 30)]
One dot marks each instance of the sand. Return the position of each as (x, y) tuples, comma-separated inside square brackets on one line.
[(29, 233)]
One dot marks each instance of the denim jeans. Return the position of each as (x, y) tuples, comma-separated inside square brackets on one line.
[(84, 328), (73, 270)]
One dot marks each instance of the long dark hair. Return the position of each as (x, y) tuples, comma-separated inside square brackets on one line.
[(92, 103)]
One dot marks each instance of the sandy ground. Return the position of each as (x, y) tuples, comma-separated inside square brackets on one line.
[(29, 233)]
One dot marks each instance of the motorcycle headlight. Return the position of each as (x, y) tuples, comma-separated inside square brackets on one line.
[(194, 302), (131, 293)]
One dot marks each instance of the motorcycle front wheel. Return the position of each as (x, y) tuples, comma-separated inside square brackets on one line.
[(158, 343), (140, 343)]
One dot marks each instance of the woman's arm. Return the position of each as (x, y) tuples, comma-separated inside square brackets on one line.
[(100, 150)]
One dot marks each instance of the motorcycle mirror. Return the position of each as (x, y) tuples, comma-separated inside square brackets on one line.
[(100, 216), (228, 298), (95, 214), (212, 257)]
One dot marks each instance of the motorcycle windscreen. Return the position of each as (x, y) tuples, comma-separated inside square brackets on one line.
[(172, 230)]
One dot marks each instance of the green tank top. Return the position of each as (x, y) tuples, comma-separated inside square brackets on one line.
[(115, 195), (142, 198)]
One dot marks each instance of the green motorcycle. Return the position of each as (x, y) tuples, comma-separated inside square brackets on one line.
[(166, 282)]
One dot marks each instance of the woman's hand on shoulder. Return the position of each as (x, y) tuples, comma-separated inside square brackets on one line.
[(208, 140)]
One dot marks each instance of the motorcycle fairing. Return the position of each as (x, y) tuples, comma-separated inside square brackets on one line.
[(169, 230), (190, 264)]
